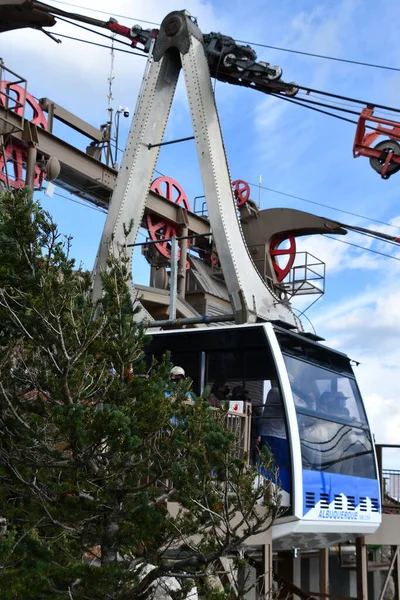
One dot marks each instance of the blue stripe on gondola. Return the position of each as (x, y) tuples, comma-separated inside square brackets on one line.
[(339, 496)]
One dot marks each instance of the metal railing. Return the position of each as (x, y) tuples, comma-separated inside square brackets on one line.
[(389, 480), (391, 484), (9, 100), (240, 425)]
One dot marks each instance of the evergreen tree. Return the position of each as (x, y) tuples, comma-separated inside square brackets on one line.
[(102, 493)]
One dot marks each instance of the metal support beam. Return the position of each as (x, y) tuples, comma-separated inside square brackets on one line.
[(394, 563), (268, 591), (90, 179), (186, 139), (324, 572), (173, 279), (30, 166), (56, 111), (182, 264), (192, 321), (362, 569), (79, 172), (289, 571), (396, 571)]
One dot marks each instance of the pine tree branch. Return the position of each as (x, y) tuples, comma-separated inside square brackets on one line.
[(11, 407)]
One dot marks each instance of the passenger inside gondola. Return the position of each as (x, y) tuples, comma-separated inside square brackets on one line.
[(272, 432), (219, 393)]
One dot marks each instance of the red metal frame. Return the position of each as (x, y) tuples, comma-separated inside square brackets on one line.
[(22, 98), (161, 231), (241, 191), (363, 140), (16, 157), (274, 252), (15, 154)]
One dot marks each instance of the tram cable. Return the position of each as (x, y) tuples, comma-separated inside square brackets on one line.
[(270, 85), (301, 102), (323, 56), (85, 204), (94, 31), (335, 239), (338, 103), (359, 216), (104, 12), (259, 44), (70, 37)]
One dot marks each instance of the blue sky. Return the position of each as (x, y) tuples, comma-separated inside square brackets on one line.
[(296, 151)]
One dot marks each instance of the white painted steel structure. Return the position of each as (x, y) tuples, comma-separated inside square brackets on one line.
[(179, 45)]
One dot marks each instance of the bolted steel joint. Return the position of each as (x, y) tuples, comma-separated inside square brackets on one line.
[(172, 25)]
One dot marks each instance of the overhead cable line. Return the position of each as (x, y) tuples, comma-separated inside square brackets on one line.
[(338, 103), (306, 89), (324, 112), (317, 103), (301, 102), (348, 98), (94, 31), (276, 87), (85, 204), (263, 187), (104, 12), (70, 37), (325, 57), (361, 247), (280, 49)]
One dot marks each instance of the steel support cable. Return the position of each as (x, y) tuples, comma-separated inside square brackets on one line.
[(276, 87), (70, 37), (308, 100), (361, 247), (325, 57), (348, 98), (304, 102), (82, 203), (304, 88), (311, 54), (301, 103), (94, 31), (346, 104), (287, 195), (373, 235), (104, 12)]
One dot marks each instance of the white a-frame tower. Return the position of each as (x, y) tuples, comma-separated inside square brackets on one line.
[(179, 45)]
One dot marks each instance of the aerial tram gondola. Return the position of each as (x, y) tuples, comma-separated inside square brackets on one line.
[(306, 406), (305, 403)]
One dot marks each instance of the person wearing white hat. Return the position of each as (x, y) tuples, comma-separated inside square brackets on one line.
[(177, 374)]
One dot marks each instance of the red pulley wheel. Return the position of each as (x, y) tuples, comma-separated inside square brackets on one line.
[(161, 231), (274, 251), (241, 191)]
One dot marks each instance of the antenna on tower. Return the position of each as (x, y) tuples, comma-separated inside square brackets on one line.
[(110, 98)]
